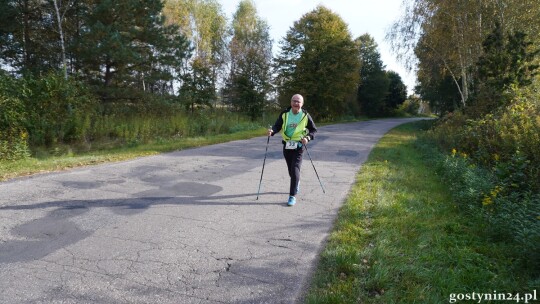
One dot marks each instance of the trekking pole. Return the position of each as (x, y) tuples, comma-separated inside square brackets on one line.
[(264, 162), (315, 170)]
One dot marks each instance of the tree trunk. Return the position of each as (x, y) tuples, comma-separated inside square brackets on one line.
[(61, 32), (27, 41)]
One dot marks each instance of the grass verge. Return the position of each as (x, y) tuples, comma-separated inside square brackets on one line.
[(12, 169), (399, 238), (62, 158)]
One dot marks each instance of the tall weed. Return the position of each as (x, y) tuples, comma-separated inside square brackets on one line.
[(137, 124), (493, 168), (58, 110)]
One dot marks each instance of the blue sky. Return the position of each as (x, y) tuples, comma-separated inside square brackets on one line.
[(363, 16)]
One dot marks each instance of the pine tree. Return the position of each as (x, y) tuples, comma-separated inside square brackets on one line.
[(125, 44), (507, 62)]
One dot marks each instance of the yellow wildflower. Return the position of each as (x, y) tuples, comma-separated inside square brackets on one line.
[(495, 191), (488, 198), (454, 151)]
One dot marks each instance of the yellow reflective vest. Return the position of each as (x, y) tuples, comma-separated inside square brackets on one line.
[(300, 130)]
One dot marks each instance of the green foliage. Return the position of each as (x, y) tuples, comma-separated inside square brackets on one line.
[(197, 87), (495, 170), (397, 91), (58, 116), (249, 83), (125, 45), (505, 211), (319, 60), (205, 26), (58, 110), (440, 91), (505, 64), (117, 46), (399, 238), (137, 124), (374, 82), (498, 137), (244, 126), (29, 42), (410, 106), (13, 134)]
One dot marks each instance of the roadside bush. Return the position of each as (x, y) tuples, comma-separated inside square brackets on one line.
[(497, 139), (494, 170), (468, 182), (511, 211), (410, 106), (59, 110), (13, 135)]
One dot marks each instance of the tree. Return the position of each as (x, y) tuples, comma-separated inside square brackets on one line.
[(450, 31), (318, 60), (249, 82), (59, 20), (436, 84), (374, 83), (205, 26), (450, 34), (397, 92), (28, 42), (505, 63), (125, 44), (197, 86)]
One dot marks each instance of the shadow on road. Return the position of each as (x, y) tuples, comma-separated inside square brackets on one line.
[(54, 231)]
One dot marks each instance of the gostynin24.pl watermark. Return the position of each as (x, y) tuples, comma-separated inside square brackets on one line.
[(477, 297)]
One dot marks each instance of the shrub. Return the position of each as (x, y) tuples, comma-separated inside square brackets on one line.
[(59, 110), (497, 138), (410, 106), (494, 170), (13, 135)]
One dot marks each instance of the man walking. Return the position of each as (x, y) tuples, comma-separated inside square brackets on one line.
[(297, 129)]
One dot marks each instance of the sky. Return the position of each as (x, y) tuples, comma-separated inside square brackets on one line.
[(373, 17)]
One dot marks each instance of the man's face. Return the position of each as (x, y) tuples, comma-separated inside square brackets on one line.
[(296, 103)]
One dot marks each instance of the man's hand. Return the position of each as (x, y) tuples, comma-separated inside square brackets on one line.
[(304, 141), (270, 131)]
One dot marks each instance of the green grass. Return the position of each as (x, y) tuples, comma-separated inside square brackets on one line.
[(399, 238), (47, 161), (62, 157)]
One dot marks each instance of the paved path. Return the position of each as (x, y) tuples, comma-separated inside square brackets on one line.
[(180, 227)]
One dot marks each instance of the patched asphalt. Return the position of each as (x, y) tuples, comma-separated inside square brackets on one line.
[(180, 227)]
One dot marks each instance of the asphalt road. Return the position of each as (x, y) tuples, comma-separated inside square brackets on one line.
[(181, 227)]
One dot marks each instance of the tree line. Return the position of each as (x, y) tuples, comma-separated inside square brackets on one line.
[(468, 53), (477, 65), (185, 49)]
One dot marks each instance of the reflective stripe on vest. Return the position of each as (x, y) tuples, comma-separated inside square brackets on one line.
[(298, 132)]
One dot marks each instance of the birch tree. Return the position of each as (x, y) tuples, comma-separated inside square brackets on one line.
[(59, 21), (249, 82), (452, 32), (205, 26)]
